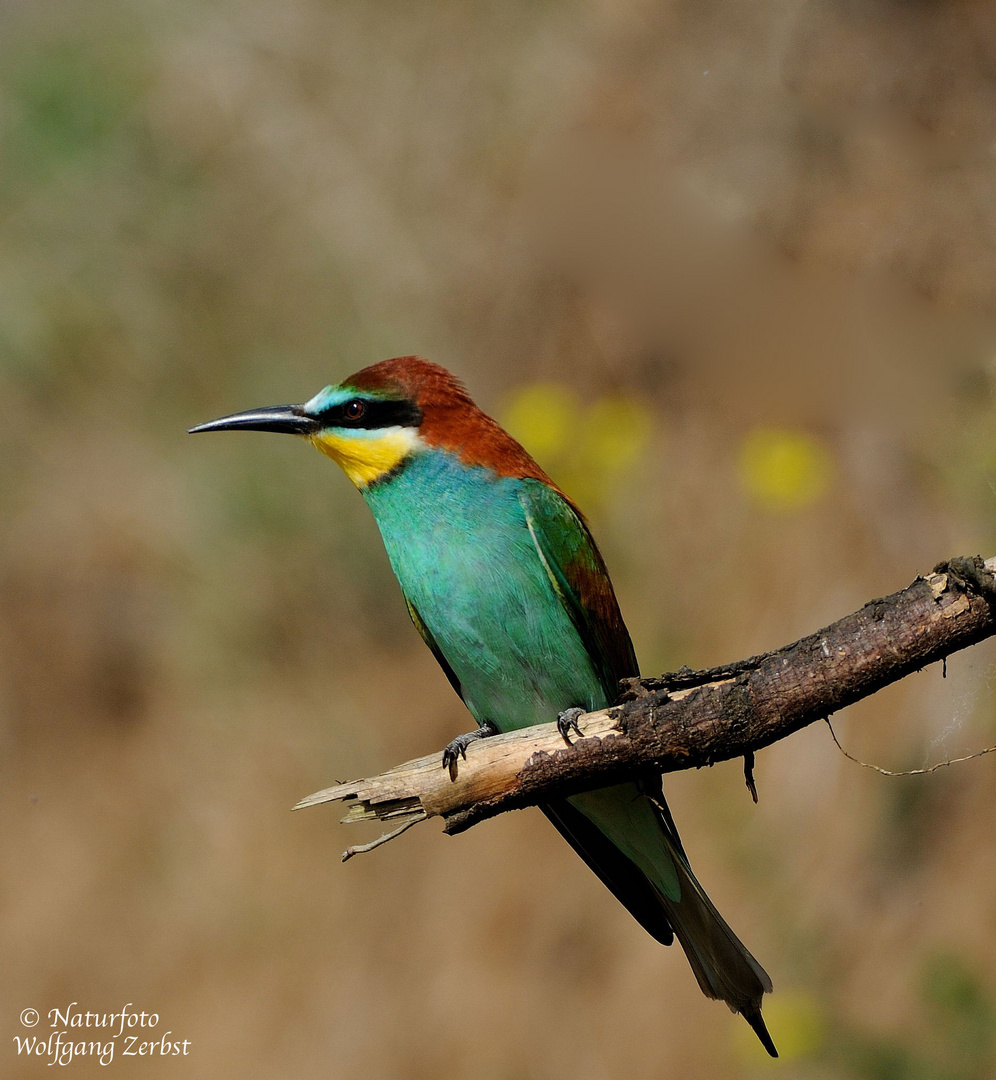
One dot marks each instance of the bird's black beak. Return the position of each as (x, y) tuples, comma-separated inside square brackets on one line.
[(290, 419)]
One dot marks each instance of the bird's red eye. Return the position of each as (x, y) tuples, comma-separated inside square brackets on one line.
[(354, 409)]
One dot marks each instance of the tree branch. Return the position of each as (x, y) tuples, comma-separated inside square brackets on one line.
[(687, 719)]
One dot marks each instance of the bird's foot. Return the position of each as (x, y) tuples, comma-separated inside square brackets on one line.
[(458, 747), (567, 721)]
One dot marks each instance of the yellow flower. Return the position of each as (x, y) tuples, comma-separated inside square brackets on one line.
[(786, 470), (617, 431), (585, 450), (541, 416)]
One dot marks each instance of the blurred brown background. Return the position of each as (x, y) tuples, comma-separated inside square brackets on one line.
[(729, 268)]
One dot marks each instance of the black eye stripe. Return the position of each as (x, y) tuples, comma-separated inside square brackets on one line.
[(374, 414)]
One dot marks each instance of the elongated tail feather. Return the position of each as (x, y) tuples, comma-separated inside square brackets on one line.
[(724, 968), (722, 965)]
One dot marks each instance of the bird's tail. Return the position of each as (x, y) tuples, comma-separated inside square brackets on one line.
[(722, 965)]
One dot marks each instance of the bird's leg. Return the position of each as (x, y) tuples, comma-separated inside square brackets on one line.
[(458, 747), (567, 721)]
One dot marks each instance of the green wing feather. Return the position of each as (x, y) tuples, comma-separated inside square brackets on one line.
[(579, 577), (426, 635)]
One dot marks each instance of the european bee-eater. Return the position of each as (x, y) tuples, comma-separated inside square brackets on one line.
[(504, 583)]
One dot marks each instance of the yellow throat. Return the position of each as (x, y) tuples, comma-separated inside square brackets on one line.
[(366, 458)]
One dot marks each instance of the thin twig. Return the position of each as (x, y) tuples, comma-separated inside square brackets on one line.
[(361, 849), (905, 772)]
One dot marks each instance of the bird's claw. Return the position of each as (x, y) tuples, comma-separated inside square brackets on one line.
[(454, 751), (567, 721), (458, 747)]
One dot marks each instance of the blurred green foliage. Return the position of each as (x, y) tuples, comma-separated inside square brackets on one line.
[(956, 1037), (65, 105), (958, 1041)]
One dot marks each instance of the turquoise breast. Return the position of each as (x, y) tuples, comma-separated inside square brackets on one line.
[(459, 544)]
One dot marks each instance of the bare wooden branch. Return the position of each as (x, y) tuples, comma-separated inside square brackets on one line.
[(687, 719)]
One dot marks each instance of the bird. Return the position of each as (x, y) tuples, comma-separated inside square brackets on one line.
[(506, 586)]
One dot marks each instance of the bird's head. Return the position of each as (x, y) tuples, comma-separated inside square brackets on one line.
[(373, 422)]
